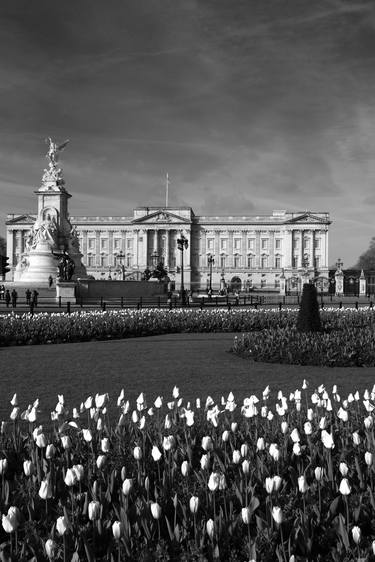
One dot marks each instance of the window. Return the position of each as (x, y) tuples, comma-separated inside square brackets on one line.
[(317, 243), (223, 244), (264, 244), (306, 243), (277, 244), (277, 283), (117, 243), (91, 243), (264, 261), (237, 261), (210, 243), (277, 262), (317, 262), (263, 283), (128, 260), (250, 244), (295, 261), (237, 243), (251, 261), (104, 244), (129, 243), (222, 262), (91, 261)]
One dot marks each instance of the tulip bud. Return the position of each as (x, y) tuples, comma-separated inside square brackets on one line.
[(158, 402), (368, 458), (137, 453), (100, 461), (234, 426), (204, 461), (343, 468), (45, 490), (260, 444), (356, 534), (94, 510), (66, 442), (193, 504), (327, 439), (302, 484), (155, 510), (105, 445), (50, 548), (236, 457), (269, 485), (70, 477), (50, 451), (167, 422), (14, 401), (117, 530), (277, 481), (319, 473), (127, 485), (213, 481), (156, 454), (175, 392), (87, 435), (246, 515), (78, 471), (185, 468), (3, 465), (344, 488), (14, 413), (295, 436), (356, 438), (28, 468), (210, 528), (225, 436), (284, 427), (277, 515), (246, 467), (368, 422), (307, 427), (244, 449), (61, 525), (207, 444)]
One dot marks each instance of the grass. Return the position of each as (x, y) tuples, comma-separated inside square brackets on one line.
[(198, 363)]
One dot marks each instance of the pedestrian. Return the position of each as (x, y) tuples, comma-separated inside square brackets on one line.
[(169, 299), (2, 292), (50, 281), (35, 297), (7, 298), (236, 298), (14, 295), (28, 296)]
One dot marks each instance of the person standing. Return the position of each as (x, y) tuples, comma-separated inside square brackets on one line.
[(35, 297), (2, 292), (7, 298), (28, 296), (14, 298), (50, 281)]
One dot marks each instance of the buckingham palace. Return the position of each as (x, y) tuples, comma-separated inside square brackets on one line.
[(241, 252)]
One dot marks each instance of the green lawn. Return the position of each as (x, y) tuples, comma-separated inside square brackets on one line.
[(199, 364)]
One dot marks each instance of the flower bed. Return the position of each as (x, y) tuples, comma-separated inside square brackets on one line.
[(277, 478), (347, 339)]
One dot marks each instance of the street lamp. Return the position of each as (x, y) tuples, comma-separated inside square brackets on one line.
[(182, 244), (210, 261), (121, 257)]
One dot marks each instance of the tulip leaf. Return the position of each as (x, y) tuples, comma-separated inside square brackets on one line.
[(170, 530), (334, 506), (342, 532)]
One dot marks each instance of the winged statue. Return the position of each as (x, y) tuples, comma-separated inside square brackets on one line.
[(54, 150)]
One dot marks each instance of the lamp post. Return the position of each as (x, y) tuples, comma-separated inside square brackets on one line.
[(210, 261), (120, 257), (182, 244), (339, 264)]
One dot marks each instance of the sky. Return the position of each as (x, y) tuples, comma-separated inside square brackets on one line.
[(248, 105)]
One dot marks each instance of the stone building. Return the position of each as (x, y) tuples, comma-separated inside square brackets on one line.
[(239, 252)]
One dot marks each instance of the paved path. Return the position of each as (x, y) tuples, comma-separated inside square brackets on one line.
[(199, 364)]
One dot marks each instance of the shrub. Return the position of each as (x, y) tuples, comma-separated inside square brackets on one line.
[(308, 317)]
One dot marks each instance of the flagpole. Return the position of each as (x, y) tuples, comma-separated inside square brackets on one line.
[(166, 191)]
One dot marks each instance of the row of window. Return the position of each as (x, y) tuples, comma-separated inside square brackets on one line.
[(265, 244), (117, 244)]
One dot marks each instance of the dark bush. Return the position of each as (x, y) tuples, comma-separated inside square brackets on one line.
[(308, 317)]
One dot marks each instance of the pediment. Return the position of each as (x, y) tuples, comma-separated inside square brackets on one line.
[(22, 219), (309, 218), (161, 217)]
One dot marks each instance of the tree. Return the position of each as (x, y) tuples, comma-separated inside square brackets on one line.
[(367, 259), (160, 272), (3, 246), (308, 316)]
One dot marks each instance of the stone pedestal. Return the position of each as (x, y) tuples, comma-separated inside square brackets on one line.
[(40, 264), (282, 284), (362, 284), (339, 283), (66, 291)]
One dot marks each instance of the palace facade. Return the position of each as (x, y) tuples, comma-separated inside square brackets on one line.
[(242, 252)]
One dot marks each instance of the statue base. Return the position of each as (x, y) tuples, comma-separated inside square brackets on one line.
[(65, 291), (40, 264)]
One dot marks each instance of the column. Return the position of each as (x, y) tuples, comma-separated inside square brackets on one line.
[(143, 257), (230, 249), (97, 249), (244, 250), (271, 258), (135, 248), (313, 249), (203, 247), (10, 247), (302, 247), (111, 259), (84, 246), (167, 235), (187, 260), (257, 249), (216, 251)]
